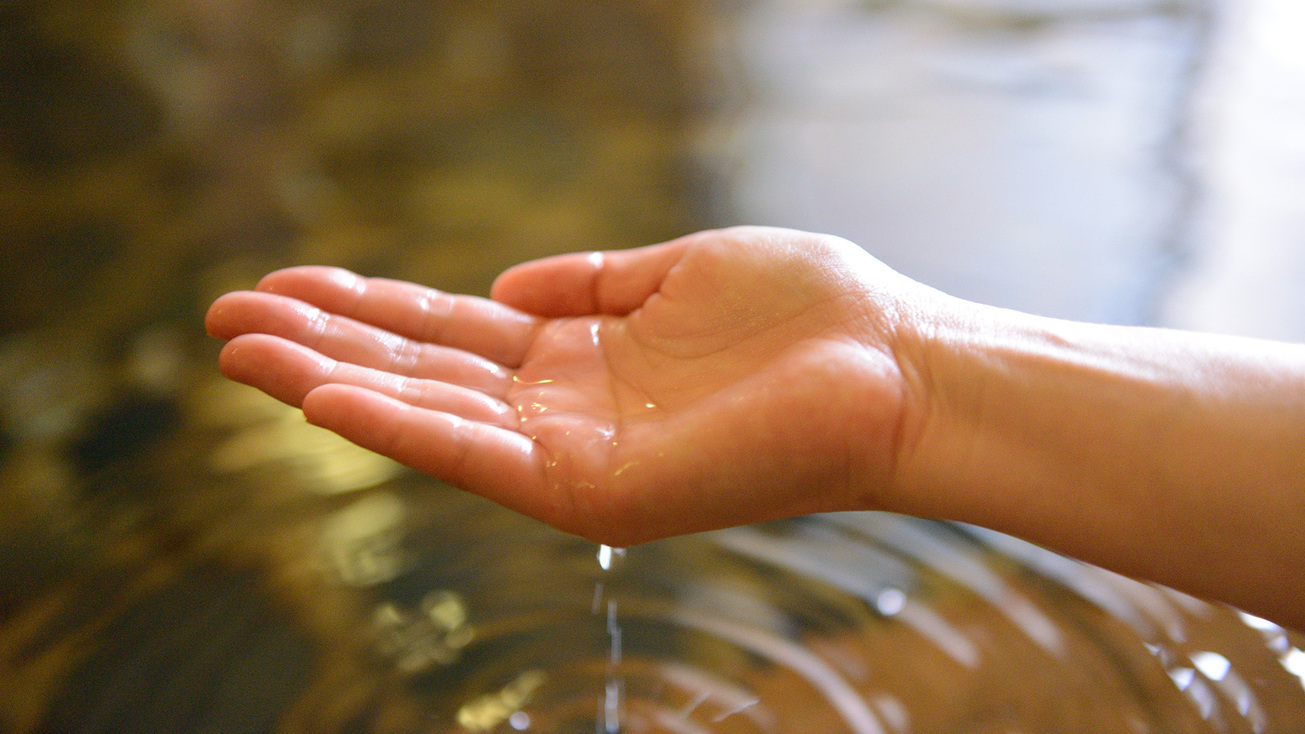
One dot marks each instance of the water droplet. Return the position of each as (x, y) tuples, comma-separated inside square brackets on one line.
[(614, 634), (612, 707), (607, 556), (890, 601), (521, 381)]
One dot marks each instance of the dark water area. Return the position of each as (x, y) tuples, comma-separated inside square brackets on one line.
[(179, 553)]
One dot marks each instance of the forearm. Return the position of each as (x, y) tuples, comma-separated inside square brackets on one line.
[(1170, 456)]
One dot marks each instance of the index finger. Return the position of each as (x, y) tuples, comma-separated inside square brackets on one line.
[(477, 325)]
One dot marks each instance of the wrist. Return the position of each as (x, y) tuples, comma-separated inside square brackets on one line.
[(920, 334), (1012, 414), (939, 344)]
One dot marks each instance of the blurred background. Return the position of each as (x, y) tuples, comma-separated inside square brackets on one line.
[(164, 532)]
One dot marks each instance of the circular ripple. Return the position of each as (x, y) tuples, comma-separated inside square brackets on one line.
[(841, 624)]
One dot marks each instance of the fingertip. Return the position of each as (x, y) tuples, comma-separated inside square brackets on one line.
[(313, 402), (293, 279), (234, 362), (217, 318), (316, 405), (278, 367), (326, 404), (229, 356), (223, 315)]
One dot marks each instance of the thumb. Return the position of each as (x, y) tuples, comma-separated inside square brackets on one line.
[(578, 284)]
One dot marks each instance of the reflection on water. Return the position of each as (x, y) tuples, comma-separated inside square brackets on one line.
[(178, 553), (787, 628)]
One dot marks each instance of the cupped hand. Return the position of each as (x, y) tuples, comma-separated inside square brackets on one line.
[(723, 378)]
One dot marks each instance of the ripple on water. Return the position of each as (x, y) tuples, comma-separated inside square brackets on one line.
[(847, 624)]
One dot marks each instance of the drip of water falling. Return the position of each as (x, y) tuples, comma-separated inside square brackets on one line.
[(608, 556), (610, 716)]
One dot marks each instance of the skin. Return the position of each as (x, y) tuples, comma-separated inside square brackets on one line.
[(742, 375)]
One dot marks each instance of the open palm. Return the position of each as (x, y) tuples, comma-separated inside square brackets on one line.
[(723, 378)]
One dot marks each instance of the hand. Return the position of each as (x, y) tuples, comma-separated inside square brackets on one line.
[(750, 374), (723, 378)]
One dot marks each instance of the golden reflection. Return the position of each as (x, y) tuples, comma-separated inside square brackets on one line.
[(154, 155), (363, 541), (492, 709), (323, 461), (220, 404), (433, 634)]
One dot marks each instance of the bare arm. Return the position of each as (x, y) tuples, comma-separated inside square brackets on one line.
[(1171, 456), (738, 376)]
